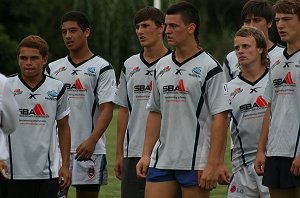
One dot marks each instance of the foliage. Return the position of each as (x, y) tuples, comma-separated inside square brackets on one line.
[(113, 34)]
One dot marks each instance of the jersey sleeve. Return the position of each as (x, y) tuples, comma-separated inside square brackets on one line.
[(216, 97), (63, 107), (4, 155), (9, 110), (106, 88), (226, 70), (268, 90), (122, 92), (154, 100)]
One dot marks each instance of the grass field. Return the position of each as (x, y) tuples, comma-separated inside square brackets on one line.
[(112, 190)]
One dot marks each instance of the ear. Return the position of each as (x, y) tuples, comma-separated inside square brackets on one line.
[(270, 24), (87, 32), (191, 28), (45, 60), (162, 28), (260, 50)]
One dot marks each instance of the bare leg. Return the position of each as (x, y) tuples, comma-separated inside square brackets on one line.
[(166, 189), (194, 192)]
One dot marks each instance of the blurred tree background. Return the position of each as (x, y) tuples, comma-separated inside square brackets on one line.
[(113, 32)]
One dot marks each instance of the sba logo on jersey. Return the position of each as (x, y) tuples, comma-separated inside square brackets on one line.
[(259, 103), (143, 88), (177, 88), (77, 86), (287, 81), (37, 111)]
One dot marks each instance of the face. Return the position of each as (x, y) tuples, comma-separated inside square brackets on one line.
[(148, 33), (259, 23), (288, 27), (31, 62), (246, 50), (74, 38), (177, 32)]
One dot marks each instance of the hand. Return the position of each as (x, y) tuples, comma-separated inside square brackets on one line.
[(259, 164), (3, 169), (118, 167), (209, 177), (85, 150), (295, 168), (223, 175), (64, 178), (142, 166)]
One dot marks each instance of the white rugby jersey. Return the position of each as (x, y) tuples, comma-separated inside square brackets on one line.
[(231, 65), (31, 145), (8, 115), (89, 84), (187, 94), (133, 93), (246, 117), (283, 92)]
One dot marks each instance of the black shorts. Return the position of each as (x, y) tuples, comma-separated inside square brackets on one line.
[(42, 188), (131, 186), (278, 175)]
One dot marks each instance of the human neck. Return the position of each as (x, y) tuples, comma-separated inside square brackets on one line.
[(80, 55), (293, 47), (33, 81), (253, 72), (186, 51), (155, 52)]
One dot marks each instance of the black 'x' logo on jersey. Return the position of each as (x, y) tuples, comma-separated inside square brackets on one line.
[(149, 72), (254, 90), (287, 64), (32, 96), (178, 72), (75, 71)]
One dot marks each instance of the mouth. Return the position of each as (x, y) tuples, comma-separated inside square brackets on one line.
[(142, 38), (68, 43)]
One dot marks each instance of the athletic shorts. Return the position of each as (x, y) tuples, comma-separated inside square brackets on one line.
[(93, 171), (278, 175), (183, 177), (131, 185), (41, 188), (246, 183)]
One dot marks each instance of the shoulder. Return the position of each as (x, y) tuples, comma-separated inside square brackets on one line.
[(58, 61), (133, 58), (50, 80), (3, 79), (98, 61)]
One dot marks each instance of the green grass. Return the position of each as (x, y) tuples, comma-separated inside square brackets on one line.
[(112, 190)]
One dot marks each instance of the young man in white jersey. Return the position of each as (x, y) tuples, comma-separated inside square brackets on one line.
[(132, 96), (91, 85), (9, 113), (258, 14), (187, 93), (248, 108), (280, 132), (42, 102)]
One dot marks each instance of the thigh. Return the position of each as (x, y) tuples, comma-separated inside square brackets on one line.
[(166, 189), (131, 185), (93, 171), (194, 192)]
